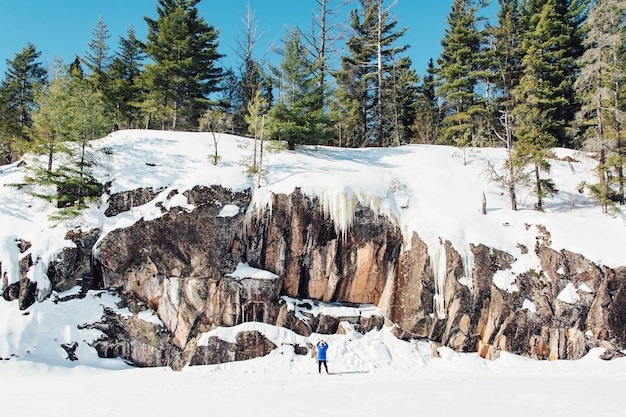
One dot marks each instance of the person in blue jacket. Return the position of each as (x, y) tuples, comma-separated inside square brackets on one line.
[(322, 347)]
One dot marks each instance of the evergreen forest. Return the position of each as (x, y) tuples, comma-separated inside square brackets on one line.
[(541, 74)]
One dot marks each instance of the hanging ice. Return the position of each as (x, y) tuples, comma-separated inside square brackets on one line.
[(338, 204), (468, 269), (437, 254)]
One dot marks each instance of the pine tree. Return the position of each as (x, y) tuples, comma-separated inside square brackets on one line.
[(70, 113), (297, 116), (125, 74), (97, 59), (183, 48), (24, 75), (51, 118), (598, 86), (459, 71)]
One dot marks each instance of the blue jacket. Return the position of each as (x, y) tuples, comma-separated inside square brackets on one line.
[(321, 351)]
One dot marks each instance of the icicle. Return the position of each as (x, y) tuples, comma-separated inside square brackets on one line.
[(338, 205), (437, 255), (340, 208), (468, 268), (37, 274), (261, 202)]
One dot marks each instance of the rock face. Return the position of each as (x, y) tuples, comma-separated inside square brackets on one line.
[(175, 264), (179, 266), (300, 243), (72, 267), (534, 321)]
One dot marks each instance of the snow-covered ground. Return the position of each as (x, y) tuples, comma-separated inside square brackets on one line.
[(423, 188), (373, 375)]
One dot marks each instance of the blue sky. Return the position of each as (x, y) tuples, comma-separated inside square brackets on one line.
[(62, 28)]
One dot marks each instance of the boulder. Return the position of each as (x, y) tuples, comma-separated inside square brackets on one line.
[(248, 345)]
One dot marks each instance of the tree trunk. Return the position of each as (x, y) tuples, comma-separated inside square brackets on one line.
[(484, 205), (258, 182), (538, 188), (379, 92), (509, 146), (50, 153)]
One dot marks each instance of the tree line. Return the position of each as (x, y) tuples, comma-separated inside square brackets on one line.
[(543, 73)]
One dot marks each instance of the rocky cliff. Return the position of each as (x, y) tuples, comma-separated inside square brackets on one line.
[(180, 265)]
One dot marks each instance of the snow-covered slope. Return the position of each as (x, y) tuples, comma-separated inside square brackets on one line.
[(433, 190), (426, 189)]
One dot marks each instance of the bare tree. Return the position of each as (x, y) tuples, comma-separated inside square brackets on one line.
[(250, 69), (215, 121), (326, 33)]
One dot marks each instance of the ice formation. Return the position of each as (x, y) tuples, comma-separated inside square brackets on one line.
[(437, 254)]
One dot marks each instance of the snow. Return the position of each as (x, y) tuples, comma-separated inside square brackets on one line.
[(150, 317), (505, 280), (244, 271), (373, 374), (529, 305), (304, 309), (568, 294), (424, 189), (229, 210)]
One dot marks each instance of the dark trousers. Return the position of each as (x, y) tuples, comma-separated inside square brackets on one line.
[(319, 365)]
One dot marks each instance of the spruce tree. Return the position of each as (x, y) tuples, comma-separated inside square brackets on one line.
[(367, 68), (553, 29), (184, 71), (76, 68), (23, 76), (458, 75), (345, 110), (356, 77), (229, 101), (539, 96)]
